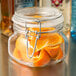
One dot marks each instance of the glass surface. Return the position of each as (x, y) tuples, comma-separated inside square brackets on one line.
[(40, 42)]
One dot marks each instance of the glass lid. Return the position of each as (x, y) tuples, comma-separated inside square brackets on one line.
[(48, 17)]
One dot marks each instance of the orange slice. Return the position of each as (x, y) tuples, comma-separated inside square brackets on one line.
[(42, 29), (55, 39), (41, 42), (60, 54), (17, 54), (42, 59), (46, 40), (21, 55), (37, 16), (20, 43), (24, 55), (36, 53), (52, 51), (21, 46)]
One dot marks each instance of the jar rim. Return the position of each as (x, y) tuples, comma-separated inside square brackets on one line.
[(49, 18)]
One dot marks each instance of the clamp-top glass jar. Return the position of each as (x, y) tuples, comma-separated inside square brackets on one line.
[(38, 39)]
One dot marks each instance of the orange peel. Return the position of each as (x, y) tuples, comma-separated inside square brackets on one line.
[(46, 40), (42, 29), (17, 54), (42, 59), (60, 54), (41, 43), (21, 46), (52, 51), (55, 39)]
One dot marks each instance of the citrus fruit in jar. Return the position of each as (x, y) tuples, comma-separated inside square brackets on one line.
[(42, 59), (60, 54), (52, 51), (17, 54), (47, 48), (21, 47)]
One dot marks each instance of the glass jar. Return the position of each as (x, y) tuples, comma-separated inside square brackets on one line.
[(38, 39)]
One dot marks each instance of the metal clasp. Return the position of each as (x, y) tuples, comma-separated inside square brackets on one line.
[(37, 37)]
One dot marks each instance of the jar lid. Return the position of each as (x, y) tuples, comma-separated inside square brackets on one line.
[(48, 17)]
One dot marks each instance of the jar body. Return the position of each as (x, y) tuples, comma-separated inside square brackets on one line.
[(50, 48)]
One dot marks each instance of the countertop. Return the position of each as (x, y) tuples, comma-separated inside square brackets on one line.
[(66, 68)]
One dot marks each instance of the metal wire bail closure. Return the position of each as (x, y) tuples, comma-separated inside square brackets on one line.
[(37, 37)]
